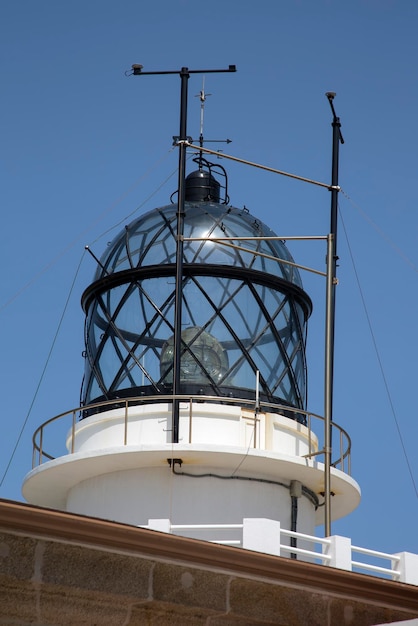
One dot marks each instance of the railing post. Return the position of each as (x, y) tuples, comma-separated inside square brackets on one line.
[(309, 434), (41, 438), (125, 432), (407, 566), (339, 549), (261, 535), (73, 434), (190, 418), (162, 525)]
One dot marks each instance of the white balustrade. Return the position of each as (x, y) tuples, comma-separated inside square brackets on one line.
[(266, 535)]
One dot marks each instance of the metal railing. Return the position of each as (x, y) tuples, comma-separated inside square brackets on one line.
[(42, 451)]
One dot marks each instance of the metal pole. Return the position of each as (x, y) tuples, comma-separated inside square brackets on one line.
[(332, 259), (336, 139), (328, 382), (184, 76), (137, 70)]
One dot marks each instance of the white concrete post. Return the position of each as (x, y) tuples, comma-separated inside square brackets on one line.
[(261, 535), (340, 552), (407, 566), (163, 525)]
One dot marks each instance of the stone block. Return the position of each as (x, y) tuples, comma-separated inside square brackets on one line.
[(276, 604), (80, 567), (351, 613), (162, 614), (69, 607), (17, 556), (190, 587), (17, 601)]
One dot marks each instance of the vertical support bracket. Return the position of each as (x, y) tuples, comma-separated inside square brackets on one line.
[(328, 382), (178, 299)]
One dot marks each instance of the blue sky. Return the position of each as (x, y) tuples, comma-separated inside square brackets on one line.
[(83, 146)]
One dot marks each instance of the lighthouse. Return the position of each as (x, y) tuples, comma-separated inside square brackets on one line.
[(234, 440), (193, 420), (193, 409)]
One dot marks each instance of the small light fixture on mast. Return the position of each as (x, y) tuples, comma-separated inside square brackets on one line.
[(137, 68)]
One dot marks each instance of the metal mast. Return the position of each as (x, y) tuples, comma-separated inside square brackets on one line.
[(182, 140), (332, 259)]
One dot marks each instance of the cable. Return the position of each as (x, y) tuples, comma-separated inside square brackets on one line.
[(305, 490), (86, 230), (382, 233), (293, 525), (43, 372), (248, 449), (123, 220), (385, 382)]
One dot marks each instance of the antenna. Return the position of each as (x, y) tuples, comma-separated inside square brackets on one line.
[(202, 95)]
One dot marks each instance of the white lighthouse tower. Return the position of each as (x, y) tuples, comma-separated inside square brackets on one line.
[(244, 445)]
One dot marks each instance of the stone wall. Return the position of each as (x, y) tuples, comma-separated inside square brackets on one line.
[(60, 569)]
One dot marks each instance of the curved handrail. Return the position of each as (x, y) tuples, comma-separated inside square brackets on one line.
[(342, 460)]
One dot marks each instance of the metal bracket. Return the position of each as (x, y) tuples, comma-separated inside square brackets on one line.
[(173, 462), (177, 141)]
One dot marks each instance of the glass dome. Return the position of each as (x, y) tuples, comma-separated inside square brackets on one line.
[(151, 240), (243, 310)]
